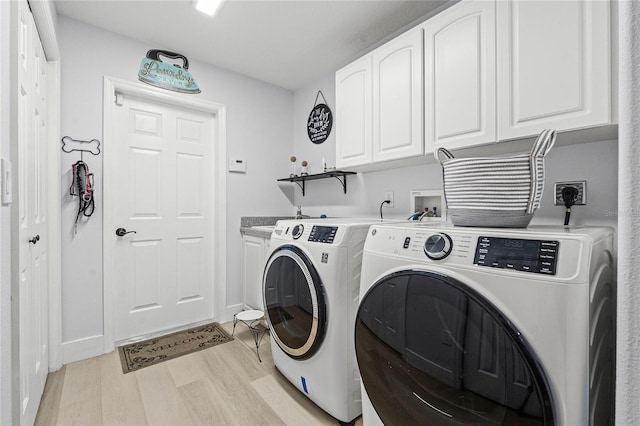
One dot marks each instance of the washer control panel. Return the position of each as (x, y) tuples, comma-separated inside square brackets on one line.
[(297, 231), (323, 234), (438, 246), (537, 256)]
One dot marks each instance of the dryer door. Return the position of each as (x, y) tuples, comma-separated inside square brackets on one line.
[(431, 350), (295, 302)]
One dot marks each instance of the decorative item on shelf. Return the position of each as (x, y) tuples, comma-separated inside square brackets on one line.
[(320, 121), (326, 168), (293, 166), (303, 170), (166, 75)]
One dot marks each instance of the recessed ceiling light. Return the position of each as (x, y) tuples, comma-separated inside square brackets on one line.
[(208, 6)]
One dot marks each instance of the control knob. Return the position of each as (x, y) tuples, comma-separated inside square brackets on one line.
[(438, 246), (297, 231)]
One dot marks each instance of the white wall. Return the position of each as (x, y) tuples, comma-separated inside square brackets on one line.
[(259, 118), (5, 227), (594, 162), (628, 333)]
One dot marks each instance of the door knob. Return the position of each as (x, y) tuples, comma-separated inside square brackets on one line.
[(35, 239), (121, 232)]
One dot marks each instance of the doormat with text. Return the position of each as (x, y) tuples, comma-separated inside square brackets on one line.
[(135, 356)]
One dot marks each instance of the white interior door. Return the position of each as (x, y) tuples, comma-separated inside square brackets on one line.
[(32, 289), (162, 157)]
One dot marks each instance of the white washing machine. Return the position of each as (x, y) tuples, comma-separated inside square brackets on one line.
[(311, 288), (486, 326)]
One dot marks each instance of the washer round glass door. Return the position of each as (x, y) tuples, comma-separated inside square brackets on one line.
[(295, 302), (431, 350)]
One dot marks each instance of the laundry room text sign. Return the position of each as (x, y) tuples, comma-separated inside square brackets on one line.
[(320, 121), (166, 75)]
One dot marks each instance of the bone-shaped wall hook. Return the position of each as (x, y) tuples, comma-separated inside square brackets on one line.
[(70, 144)]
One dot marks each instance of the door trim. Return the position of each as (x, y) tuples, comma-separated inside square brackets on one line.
[(111, 85), (55, 220)]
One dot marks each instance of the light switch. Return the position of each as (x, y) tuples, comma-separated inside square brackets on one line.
[(5, 185), (237, 165)]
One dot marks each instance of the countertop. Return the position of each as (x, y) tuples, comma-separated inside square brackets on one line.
[(254, 225)]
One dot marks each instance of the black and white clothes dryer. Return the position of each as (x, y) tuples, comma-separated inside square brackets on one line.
[(484, 326)]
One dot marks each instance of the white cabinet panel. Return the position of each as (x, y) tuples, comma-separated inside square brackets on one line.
[(397, 98), (255, 251), (146, 193), (190, 264), (353, 114), (146, 271), (460, 84), (553, 66), (188, 171)]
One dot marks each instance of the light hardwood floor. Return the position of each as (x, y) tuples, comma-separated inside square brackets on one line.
[(223, 385)]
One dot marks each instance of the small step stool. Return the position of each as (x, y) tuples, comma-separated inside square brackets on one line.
[(251, 319)]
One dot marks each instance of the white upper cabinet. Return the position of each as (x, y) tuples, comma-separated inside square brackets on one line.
[(460, 82), (397, 98), (479, 72), (353, 114), (379, 113), (554, 66)]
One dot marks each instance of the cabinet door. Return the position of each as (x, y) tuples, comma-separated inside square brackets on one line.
[(253, 250), (397, 98), (460, 76), (553, 66), (267, 253), (353, 114)]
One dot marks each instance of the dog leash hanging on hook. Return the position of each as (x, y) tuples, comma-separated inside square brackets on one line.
[(82, 187)]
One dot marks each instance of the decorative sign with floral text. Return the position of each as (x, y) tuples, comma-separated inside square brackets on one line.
[(320, 121)]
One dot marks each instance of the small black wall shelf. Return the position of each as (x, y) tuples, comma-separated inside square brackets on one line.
[(338, 174)]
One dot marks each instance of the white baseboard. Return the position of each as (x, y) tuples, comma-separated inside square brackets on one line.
[(229, 312), (89, 347), (80, 349)]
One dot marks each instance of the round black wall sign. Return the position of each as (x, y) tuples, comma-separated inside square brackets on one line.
[(319, 123)]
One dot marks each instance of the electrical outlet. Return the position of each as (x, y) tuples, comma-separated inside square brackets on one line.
[(388, 195), (581, 186)]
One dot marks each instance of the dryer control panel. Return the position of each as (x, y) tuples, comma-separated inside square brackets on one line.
[(323, 234), (536, 256)]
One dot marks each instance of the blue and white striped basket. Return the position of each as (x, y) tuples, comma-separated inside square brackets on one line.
[(497, 192)]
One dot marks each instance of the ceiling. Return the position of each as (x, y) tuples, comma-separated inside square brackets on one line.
[(289, 43)]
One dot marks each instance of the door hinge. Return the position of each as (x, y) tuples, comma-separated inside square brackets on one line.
[(119, 99)]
